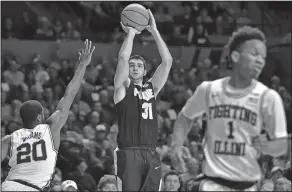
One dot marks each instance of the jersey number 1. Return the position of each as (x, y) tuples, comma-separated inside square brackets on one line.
[(24, 151), (147, 114), (231, 129)]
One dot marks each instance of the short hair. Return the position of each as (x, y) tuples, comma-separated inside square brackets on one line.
[(108, 179), (244, 34), (172, 172), (29, 111), (139, 57)]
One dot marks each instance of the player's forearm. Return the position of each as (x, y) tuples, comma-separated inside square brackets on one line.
[(162, 48), (72, 88), (181, 129), (127, 46), (276, 147)]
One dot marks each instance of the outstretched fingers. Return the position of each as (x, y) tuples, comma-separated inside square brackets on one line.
[(88, 48), (92, 49)]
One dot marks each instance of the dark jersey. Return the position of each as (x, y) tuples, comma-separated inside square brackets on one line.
[(137, 117)]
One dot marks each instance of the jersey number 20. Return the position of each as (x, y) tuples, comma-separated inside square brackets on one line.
[(25, 150), (147, 114)]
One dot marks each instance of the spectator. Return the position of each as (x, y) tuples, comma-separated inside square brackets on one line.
[(70, 32), (28, 30), (89, 131), (101, 133), (277, 172), (275, 83), (195, 147), (56, 183), (217, 10), (6, 109), (185, 21), (267, 186), (8, 30), (193, 167), (41, 75), (217, 29), (84, 180), (58, 28), (69, 185), (198, 34), (191, 185), (13, 76), (195, 8), (171, 181), (44, 31), (109, 183), (282, 184), (206, 19)]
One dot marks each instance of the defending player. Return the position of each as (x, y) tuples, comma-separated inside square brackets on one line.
[(239, 109), (33, 149), (138, 164)]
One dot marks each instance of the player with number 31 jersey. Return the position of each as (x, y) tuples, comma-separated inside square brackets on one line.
[(136, 159)]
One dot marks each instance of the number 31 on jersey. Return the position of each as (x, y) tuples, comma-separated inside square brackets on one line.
[(147, 113)]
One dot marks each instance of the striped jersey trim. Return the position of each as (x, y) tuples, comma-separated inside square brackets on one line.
[(207, 95), (52, 140), (11, 145), (262, 99), (52, 175)]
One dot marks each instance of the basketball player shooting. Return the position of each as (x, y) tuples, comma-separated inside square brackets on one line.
[(138, 163), (33, 149), (244, 118)]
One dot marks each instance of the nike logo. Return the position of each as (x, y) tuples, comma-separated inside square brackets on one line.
[(157, 167)]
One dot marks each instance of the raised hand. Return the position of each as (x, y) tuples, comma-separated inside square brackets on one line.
[(86, 53), (129, 29), (152, 23)]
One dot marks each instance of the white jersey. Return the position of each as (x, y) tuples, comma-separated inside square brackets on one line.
[(234, 118), (32, 156)]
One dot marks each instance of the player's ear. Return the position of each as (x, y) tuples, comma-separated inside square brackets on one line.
[(39, 117), (145, 72), (234, 56)]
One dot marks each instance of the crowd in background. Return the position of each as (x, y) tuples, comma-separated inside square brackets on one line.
[(102, 23), (88, 138)]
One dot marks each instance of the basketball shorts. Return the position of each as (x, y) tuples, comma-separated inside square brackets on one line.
[(138, 168), (211, 185), (15, 186)]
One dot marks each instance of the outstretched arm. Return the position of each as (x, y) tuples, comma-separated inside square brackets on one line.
[(195, 107), (122, 71), (59, 117), (161, 74)]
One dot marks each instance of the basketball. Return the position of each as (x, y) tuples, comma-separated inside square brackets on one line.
[(136, 16)]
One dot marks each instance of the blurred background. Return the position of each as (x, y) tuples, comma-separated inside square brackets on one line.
[(39, 48)]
